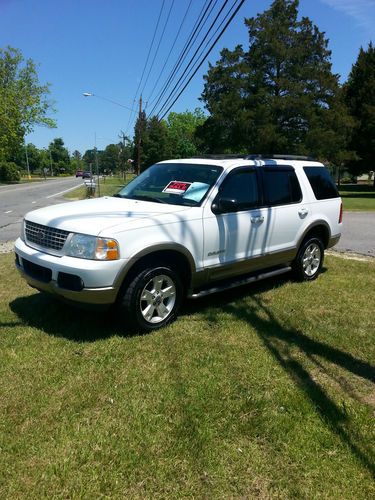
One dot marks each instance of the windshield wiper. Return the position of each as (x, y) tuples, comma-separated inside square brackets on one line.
[(147, 198), (117, 195)]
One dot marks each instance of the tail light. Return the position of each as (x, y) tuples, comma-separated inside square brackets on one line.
[(340, 216)]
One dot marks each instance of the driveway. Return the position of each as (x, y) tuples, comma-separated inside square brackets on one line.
[(358, 233)]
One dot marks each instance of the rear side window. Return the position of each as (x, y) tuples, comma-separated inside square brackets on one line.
[(281, 186), (321, 183)]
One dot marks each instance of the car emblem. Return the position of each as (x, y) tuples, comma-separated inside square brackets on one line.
[(40, 235)]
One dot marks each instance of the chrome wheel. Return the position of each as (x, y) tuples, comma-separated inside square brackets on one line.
[(158, 298), (311, 259)]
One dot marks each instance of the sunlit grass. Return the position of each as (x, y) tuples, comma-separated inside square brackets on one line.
[(266, 391), (358, 197), (108, 186)]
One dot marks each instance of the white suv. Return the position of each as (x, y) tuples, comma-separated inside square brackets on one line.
[(184, 228)]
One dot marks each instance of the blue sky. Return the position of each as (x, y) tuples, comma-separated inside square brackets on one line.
[(101, 47)]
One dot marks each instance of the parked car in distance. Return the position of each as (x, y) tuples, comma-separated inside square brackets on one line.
[(79, 173), (86, 175), (184, 228)]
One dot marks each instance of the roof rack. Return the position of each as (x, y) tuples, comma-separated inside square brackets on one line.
[(261, 156), (231, 156), (278, 157)]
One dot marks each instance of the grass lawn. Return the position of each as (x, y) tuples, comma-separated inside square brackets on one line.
[(357, 197), (108, 187), (264, 392)]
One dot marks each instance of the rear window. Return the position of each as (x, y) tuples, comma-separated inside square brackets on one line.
[(321, 183), (281, 186)]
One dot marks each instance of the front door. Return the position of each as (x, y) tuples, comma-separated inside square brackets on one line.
[(236, 239)]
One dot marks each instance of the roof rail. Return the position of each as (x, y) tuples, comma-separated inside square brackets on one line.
[(278, 157), (260, 156), (228, 156)]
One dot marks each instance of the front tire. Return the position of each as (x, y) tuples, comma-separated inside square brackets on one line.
[(309, 261), (152, 299)]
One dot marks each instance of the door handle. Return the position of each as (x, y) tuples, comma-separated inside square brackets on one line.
[(257, 220)]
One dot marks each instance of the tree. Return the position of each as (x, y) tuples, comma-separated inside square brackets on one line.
[(155, 142), (60, 156), (181, 127), (23, 101), (126, 150), (139, 138), (360, 98), (109, 160), (76, 161), (280, 95), (33, 156)]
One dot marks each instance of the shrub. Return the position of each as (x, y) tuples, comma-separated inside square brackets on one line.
[(9, 172)]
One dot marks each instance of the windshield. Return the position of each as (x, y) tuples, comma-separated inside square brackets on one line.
[(174, 183)]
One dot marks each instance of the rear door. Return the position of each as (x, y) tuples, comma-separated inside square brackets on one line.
[(286, 211)]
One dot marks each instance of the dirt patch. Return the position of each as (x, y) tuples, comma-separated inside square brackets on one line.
[(351, 256), (7, 247)]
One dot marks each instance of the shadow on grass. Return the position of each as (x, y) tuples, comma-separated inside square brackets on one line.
[(357, 188), (360, 196), (293, 349), (64, 320)]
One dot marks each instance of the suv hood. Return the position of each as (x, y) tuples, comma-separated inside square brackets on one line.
[(96, 215)]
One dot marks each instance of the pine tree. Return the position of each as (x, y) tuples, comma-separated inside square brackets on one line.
[(360, 98), (280, 96)]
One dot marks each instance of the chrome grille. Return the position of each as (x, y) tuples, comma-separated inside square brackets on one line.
[(44, 236)]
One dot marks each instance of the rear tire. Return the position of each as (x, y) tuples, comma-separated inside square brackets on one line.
[(308, 263), (152, 299)]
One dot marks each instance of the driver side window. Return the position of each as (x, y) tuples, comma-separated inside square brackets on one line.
[(242, 186)]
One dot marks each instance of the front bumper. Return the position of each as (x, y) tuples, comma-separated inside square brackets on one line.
[(93, 283)]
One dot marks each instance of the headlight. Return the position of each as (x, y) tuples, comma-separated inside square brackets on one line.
[(91, 247)]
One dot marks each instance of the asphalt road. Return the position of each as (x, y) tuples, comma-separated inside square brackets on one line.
[(18, 199), (358, 234)]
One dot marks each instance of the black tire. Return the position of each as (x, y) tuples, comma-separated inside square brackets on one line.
[(144, 308), (309, 261)]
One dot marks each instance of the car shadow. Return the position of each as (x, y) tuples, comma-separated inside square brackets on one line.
[(300, 357), (60, 319)]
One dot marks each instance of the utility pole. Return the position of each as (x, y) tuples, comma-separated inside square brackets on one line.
[(97, 167), (27, 163), (50, 162), (139, 136)]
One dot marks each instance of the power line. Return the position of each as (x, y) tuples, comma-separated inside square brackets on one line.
[(180, 80), (157, 48), (145, 65), (205, 56), (170, 50), (202, 17)]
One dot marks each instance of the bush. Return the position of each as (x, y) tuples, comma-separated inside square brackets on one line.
[(9, 172)]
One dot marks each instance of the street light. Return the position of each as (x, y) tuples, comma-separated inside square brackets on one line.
[(91, 94)]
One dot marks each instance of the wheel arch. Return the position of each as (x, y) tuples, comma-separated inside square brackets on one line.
[(319, 229), (173, 255)]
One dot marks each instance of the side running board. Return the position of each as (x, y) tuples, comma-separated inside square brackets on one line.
[(239, 282)]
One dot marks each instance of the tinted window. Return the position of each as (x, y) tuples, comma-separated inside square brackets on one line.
[(321, 183), (242, 186), (281, 186)]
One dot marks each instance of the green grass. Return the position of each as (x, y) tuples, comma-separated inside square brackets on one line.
[(266, 391), (108, 187), (358, 197)]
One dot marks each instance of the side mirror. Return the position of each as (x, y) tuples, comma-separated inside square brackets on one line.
[(224, 205)]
